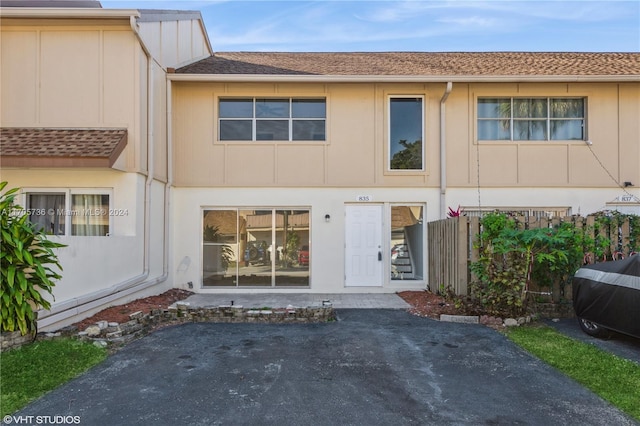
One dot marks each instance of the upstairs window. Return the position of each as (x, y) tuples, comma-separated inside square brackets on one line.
[(531, 119), (406, 128), (272, 119)]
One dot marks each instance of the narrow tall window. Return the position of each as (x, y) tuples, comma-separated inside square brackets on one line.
[(406, 130), (407, 237)]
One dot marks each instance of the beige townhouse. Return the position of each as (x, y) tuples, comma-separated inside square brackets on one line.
[(163, 164), (343, 157)]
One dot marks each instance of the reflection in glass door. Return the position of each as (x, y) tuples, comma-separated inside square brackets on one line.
[(407, 236), (292, 248), (255, 248), (255, 268), (220, 248)]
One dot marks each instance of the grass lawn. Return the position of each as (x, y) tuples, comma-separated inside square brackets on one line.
[(614, 379), (32, 370)]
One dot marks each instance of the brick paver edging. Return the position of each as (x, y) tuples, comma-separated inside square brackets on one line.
[(140, 324)]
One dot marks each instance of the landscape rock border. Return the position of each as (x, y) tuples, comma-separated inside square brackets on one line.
[(104, 333), (486, 320)]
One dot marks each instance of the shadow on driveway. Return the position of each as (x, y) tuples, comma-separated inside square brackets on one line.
[(371, 367)]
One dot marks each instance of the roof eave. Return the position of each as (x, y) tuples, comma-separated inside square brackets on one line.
[(67, 13), (29, 161), (108, 160), (315, 78)]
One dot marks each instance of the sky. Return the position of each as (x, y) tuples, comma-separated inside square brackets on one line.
[(417, 25)]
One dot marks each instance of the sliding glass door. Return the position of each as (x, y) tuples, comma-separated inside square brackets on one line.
[(255, 248)]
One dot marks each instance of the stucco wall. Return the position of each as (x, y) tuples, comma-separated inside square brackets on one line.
[(327, 239), (93, 265)]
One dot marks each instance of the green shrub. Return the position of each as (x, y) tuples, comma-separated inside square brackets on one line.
[(513, 257), (26, 262)]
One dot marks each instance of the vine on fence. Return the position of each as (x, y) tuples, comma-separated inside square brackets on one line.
[(611, 219), (513, 257)]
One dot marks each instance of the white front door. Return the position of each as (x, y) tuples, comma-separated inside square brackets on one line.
[(363, 251)]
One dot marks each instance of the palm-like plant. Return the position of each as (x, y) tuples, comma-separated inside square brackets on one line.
[(28, 267)]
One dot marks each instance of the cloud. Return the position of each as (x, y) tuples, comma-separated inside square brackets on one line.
[(395, 11), (418, 25), (471, 21)]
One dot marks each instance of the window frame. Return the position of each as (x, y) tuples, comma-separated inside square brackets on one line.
[(274, 271), (68, 194), (255, 119), (548, 119), (421, 260), (422, 98)]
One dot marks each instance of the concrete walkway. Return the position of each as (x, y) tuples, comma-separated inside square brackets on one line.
[(301, 300)]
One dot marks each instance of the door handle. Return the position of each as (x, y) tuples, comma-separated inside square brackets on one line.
[(380, 256)]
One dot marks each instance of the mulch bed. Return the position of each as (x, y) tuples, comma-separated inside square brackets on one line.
[(120, 314), (423, 303)]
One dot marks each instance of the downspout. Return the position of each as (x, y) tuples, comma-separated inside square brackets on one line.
[(168, 185), (151, 167), (79, 305), (443, 152)]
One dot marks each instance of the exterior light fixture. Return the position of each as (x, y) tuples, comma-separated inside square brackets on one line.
[(327, 218)]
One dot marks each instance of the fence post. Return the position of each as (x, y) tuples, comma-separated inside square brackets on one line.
[(626, 234), (473, 229), (462, 256)]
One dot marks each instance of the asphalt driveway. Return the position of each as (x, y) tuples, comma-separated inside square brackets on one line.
[(371, 367)]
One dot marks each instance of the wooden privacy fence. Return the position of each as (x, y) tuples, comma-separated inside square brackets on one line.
[(451, 244)]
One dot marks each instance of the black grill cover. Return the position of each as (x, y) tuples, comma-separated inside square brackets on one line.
[(608, 294)]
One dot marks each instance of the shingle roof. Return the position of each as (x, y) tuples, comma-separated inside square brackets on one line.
[(58, 147), (419, 63)]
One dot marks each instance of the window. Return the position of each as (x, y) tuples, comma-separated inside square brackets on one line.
[(47, 212), (407, 236), (89, 214), (406, 127), (255, 247), (531, 119), (277, 119), (53, 212)]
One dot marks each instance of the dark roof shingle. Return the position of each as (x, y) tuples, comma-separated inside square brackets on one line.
[(419, 64), (60, 147)]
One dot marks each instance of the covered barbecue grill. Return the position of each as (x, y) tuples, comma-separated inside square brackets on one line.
[(606, 296)]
